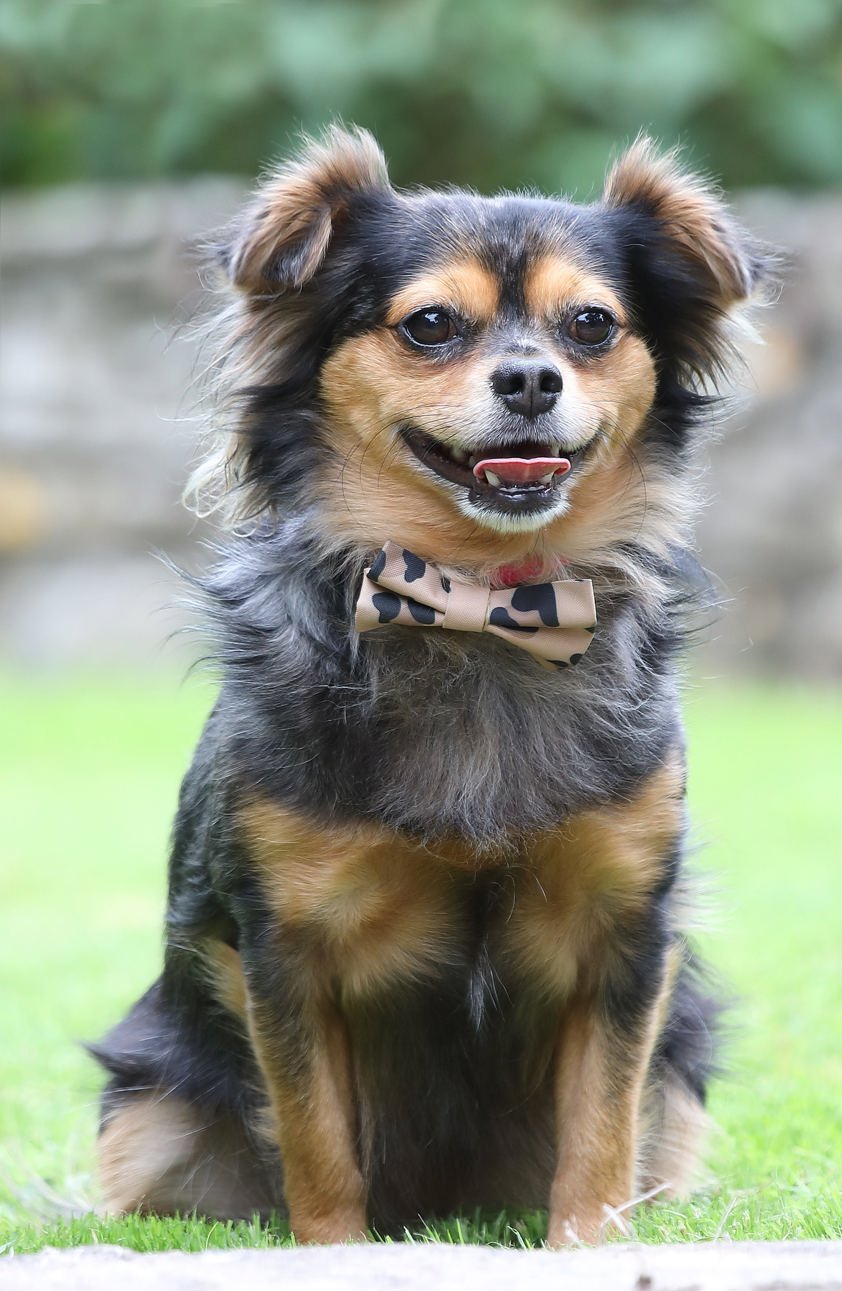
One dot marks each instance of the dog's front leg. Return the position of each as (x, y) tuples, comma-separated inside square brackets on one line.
[(601, 1066), (600, 912), (301, 1044)]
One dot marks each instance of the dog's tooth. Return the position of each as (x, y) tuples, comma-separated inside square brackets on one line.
[(548, 478), (472, 460), (492, 479), (459, 454), (555, 450)]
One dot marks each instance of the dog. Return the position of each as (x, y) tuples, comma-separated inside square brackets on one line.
[(424, 935)]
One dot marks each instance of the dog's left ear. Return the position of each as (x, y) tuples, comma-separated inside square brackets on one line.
[(692, 218), (283, 236), (690, 262)]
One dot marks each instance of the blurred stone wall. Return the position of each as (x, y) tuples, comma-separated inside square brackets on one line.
[(98, 372), (98, 378)]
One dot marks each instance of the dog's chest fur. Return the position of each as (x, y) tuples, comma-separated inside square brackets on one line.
[(435, 735), (491, 748), (374, 910)]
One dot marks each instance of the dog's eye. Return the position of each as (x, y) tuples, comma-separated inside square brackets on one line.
[(591, 327), (429, 327)]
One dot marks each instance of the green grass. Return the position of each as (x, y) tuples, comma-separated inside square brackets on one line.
[(88, 779)]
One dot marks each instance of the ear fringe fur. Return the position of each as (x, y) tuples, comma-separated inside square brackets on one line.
[(269, 253), (694, 215), (283, 235)]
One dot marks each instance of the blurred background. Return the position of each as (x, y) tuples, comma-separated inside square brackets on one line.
[(129, 129)]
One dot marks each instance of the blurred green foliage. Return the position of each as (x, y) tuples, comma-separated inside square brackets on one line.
[(483, 92)]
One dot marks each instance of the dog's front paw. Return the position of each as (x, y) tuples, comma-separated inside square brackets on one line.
[(584, 1225), (326, 1229)]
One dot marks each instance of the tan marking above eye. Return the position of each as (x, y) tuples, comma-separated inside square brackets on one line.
[(553, 286), (463, 287)]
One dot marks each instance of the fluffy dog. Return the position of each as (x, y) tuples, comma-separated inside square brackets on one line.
[(424, 947)]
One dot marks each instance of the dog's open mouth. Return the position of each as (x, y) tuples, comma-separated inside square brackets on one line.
[(517, 476)]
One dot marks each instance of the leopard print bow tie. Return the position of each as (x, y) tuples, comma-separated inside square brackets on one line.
[(555, 622)]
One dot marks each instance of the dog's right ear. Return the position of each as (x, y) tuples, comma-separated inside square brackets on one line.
[(283, 236)]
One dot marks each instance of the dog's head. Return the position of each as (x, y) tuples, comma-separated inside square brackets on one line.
[(477, 378)]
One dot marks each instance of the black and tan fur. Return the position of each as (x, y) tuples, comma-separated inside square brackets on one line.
[(424, 949)]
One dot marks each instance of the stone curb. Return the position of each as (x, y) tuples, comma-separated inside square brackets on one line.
[(713, 1266)]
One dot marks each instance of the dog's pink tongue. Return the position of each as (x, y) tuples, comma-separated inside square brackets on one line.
[(520, 470)]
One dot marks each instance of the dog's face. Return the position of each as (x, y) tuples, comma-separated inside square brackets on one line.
[(475, 378), (501, 369)]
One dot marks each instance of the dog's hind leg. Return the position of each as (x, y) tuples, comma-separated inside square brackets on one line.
[(159, 1155), (675, 1128), (675, 1120), (178, 1124)]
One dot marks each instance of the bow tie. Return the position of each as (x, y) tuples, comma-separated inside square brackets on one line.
[(555, 622)]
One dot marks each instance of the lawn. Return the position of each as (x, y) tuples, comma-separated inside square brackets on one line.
[(88, 778)]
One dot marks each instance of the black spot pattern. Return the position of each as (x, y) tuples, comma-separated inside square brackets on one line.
[(387, 604), (574, 658), (421, 613), (445, 582), (501, 618), (415, 566), (540, 597), (377, 566)]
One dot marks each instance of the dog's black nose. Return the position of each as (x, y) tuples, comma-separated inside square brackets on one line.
[(527, 386)]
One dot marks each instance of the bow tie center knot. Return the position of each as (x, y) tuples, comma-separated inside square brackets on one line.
[(467, 607)]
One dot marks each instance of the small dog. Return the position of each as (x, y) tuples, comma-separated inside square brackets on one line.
[(424, 950)]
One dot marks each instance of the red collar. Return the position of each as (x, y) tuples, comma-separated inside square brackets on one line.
[(525, 572)]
